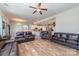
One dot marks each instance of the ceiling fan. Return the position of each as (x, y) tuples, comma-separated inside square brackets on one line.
[(38, 8)]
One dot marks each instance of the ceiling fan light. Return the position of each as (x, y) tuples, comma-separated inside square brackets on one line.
[(38, 10)]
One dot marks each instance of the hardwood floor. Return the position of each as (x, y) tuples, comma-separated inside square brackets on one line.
[(41, 47)]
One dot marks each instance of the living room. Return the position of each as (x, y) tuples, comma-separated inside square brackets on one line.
[(52, 32)]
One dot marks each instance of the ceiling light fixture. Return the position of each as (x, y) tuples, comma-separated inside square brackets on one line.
[(18, 24), (18, 20), (38, 8)]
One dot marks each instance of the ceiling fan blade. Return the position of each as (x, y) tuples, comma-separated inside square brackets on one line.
[(40, 12), (43, 9), (34, 11), (39, 4), (32, 7)]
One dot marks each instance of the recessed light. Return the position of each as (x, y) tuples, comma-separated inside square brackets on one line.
[(18, 24), (18, 20)]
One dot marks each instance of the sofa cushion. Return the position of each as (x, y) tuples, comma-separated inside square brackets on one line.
[(20, 39), (64, 36), (73, 37), (19, 33), (29, 33), (25, 33), (71, 41), (61, 39), (58, 35)]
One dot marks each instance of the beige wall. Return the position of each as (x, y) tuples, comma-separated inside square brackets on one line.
[(67, 21)]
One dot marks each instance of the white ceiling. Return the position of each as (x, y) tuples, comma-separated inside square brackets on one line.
[(22, 10)]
